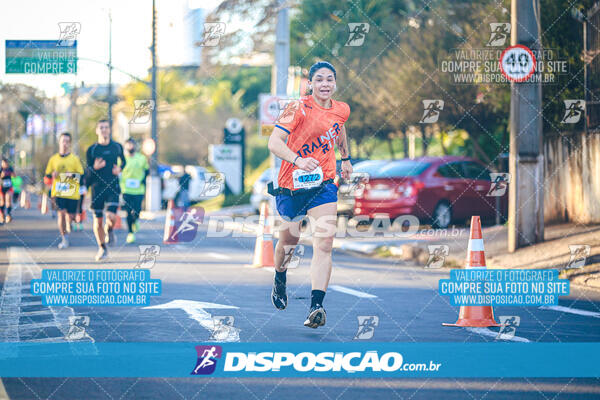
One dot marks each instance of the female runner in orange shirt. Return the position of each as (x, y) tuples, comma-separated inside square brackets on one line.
[(304, 138)]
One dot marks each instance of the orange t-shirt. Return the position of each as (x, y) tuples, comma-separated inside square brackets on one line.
[(313, 132)]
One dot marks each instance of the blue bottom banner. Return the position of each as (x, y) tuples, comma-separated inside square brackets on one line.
[(329, 360)]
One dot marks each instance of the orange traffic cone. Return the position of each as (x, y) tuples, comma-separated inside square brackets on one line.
[(475, 316), (168, 236), (44, 204), (263, 251), (118, 222), (24, 200)]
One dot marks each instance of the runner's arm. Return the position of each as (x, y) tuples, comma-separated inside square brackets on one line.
[(342, 143), (278, 146)]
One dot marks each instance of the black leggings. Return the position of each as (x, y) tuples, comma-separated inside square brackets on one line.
[(133, 206)]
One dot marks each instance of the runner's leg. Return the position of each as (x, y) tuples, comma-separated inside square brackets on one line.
[(323, 225)]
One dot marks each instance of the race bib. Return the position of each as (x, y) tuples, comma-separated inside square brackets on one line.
[(132, 183), (6, 183), (66, 186), (307, 180)]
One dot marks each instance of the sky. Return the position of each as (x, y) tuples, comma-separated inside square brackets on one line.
[(131, 36)]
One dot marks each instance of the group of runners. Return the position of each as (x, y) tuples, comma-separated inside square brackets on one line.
[(110, 171), (304, 138)]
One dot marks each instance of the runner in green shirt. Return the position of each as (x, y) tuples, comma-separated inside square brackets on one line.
[(133, 186)]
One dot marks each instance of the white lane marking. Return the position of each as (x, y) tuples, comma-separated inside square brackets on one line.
[(217, 255), (491, 333), (352, 292), (195, 310), (22, 268), (31, 303), (572, 311)]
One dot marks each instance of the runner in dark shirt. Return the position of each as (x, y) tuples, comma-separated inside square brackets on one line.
[(105, 160)]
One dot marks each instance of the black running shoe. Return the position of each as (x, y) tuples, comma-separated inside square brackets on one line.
[(278, 295), (316, 317)]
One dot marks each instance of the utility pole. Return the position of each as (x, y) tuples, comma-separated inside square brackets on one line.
[(279, 75), (54, 127), (75, 118), (110, 89), (526, 163), (153, 191)]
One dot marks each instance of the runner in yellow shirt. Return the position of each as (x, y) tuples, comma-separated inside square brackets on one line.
[(64, 170)]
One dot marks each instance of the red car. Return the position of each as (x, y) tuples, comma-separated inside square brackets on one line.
[(438, 190)]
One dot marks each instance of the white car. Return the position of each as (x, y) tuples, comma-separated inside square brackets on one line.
[(259, 190)]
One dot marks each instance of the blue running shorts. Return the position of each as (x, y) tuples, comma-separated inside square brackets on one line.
[(292, 207)]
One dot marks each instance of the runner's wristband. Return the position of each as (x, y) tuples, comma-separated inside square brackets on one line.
[(346, 159), (294, 162)]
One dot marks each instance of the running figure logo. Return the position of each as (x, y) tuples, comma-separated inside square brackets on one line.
[(214, 184), (223, 330), (431, 111), (579, 252), (358, 181), (142, 111), (148, 255), (499, 184), (68, 33), (366, 326), (187, 224), (437, 255), (358, 33), (212, 34), (207, 359), (508, 324), (574, 109), (287, 110), (77, 325), (293, 255), (500, 32)]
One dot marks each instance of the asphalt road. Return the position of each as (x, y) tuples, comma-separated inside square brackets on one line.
[(215, 270)]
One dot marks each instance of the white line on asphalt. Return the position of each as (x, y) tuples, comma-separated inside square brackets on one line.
[(352, 292), (572, 311), (217, 255), (491, 333), (195, 310)]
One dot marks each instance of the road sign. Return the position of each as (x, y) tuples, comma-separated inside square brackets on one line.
[(268, 112), (517, 63), (227, 158), (41, 57), (233, 131)]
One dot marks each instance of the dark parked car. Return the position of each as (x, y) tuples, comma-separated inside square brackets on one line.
[(434, 189)]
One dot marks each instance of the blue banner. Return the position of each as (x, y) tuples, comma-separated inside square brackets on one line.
[(476, 360)]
